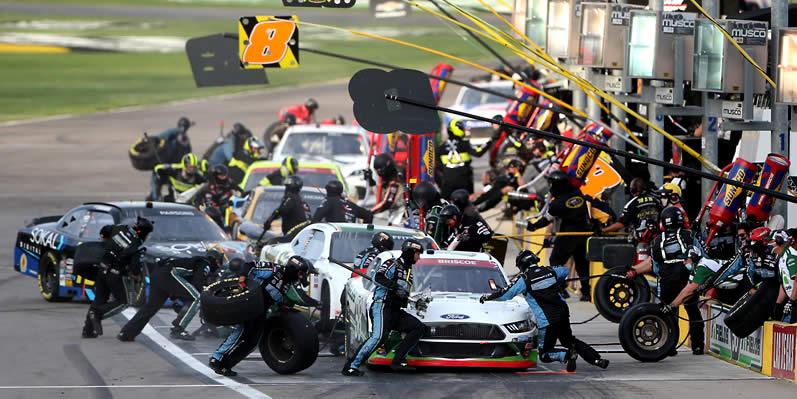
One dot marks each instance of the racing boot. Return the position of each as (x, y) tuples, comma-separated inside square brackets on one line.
[(88, 331), (602, 363), (96, 321), (401, 366), (180, 333), (217, 367), (570, 359), (125, 338), (349, 371)]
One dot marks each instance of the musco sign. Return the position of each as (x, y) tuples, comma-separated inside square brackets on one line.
[(621, 15), (676, 23), (749, 33)]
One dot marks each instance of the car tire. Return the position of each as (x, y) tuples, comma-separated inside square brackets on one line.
[(226, 303), (49, 278), (267, 137), (646, 333), (752, 310), (289, 343), (325, 325), (143, 155), (234, 230), (613, 295)]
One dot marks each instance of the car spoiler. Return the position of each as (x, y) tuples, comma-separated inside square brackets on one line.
[(44, 219)]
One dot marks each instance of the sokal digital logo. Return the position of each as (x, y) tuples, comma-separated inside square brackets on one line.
[(455, 316)]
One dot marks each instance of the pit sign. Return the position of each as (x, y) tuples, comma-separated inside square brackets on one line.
[(268, 42), (783, 350), (746, 352)]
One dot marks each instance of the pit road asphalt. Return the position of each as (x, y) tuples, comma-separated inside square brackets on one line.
[(49, 166)]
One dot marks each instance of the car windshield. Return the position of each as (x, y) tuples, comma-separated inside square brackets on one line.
[(347, 244), (270, 200), (473, 278), (312, 177), (473, 97), (323, 144), (178, 225)]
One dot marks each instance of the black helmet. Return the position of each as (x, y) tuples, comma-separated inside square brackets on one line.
[(526, 259), (239, 130), (339, 120), (292, 164), (425, 194), (385, 166), (184, 123), (461, 199), (334, 188), (311, 104), (219, 173), (293, 183), (672, 218), (559, 182), (408, 250), (382, 241), (289, 119), (216, 256), (298, 269), (449, 212), (637, 186), (142, 227), (236, 266)]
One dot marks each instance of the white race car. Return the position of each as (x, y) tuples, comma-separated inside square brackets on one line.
[(482, 104), (340, 241), (347, 146), (461, 331)]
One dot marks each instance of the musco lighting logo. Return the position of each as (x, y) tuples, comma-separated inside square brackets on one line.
[(749, 33), (676, 23), (621, 15)]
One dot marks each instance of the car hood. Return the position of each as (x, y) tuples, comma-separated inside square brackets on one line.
[(186, 249), (465, 308)]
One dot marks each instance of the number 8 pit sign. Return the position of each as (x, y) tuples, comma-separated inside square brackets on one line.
[(268, 42)]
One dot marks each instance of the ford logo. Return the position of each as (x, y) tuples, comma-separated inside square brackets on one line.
[(454, 316)]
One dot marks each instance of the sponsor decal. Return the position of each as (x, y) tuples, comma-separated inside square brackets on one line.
[(574, 202), (30, 248), (733, 191), (745, 33), (674, 5), (676, 23), (732, 109), (664, 95), (746, 352), (783, 350), (455, 316), (428, 160), (585, 163), (46, 238), (456, 262), (268, 42), (23, 263), (621, 15), (389, 8), (176, 213)]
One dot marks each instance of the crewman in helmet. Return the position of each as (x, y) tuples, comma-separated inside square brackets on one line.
[(180, 178), (337, 209), (244, 157), (454, 169), (289, 167), (292, 209)]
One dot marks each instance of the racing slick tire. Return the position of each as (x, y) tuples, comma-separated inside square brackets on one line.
[(267, 137), (646, 333), (49, 279), (325, 325), (289, 343), (613, 295), (235, 230), (144, 155), (752, 310), (225, 302)]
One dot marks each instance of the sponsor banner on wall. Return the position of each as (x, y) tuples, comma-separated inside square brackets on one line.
[(783, 350), (746, 352)]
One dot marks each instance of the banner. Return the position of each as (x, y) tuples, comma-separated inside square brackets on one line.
[(783, 350), (746, 352)]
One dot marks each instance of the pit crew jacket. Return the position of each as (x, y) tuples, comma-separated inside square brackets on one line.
[(540, 286), (271, 278), (179, 180), (389, 200), (293, 210), (391, 276), (339, 210)]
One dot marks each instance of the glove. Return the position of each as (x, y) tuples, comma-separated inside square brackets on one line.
[(464, 237), (536, 225), (547, 243), (483, 298), (630, 274), (666, 308), (368, 175), (267, 226), (787, 308), (402, 294)]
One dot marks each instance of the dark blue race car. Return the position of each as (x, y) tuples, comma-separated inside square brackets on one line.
[(45, 248)]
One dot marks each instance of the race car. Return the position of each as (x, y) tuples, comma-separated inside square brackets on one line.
[(314, 174), (482, 104), (345, 146), (461, 331), (320, 242), (261, 202), (45, 247)]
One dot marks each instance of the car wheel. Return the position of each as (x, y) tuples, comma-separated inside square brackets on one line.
[(235, 230), (143, 155), (752, 310), (49, 280), (349, 346), (646, 333), (325, 325), (226, 303), (289, 343), (613, 295)]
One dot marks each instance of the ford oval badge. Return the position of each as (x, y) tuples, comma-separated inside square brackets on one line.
[(455, 316)]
